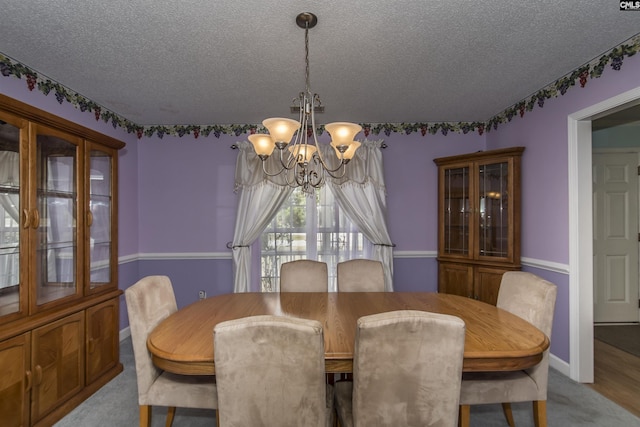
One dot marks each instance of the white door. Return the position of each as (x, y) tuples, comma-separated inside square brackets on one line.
[(615, 234)]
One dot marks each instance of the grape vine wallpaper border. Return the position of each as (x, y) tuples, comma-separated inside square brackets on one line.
[(576, 79)]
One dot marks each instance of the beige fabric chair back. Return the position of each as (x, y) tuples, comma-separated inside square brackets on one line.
[(360, 275), (304, 275), (270, 372), (149, 301), (407, 369), (532, 298)]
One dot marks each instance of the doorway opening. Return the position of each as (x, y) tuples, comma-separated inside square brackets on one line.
[(581, 230)]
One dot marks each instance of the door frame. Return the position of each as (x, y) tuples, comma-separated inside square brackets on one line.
[(581, 231)]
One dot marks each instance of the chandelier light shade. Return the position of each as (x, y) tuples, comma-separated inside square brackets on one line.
[(342, 134), (281, 129), (348, 153), (262, 144), (303, 158), (303, 153)]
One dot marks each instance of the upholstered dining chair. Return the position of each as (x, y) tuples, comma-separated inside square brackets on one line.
[(360, 275), (149, 301), (270, 372), (304, 275), (407, 367), (533, 299)]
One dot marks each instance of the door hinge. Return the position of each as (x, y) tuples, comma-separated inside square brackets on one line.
[(638, 169)]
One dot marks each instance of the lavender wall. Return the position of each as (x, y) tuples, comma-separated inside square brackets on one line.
[(187, 205), (128, 214), (545, 207), (128, 200), (17, 89), (545, 163), (412, 184), (176, 195), (186, 197)]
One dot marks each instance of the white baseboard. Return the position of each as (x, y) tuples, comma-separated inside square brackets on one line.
[(125, 333), (559, 365)]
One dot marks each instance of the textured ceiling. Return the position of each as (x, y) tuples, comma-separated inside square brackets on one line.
[(221, 62)]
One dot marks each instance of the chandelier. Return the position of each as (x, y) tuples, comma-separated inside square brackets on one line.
[(301, 161)]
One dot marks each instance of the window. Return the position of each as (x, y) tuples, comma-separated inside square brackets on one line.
[(309, 227)]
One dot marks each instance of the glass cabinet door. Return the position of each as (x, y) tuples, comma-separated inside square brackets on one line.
[(56, 241), (493, 194), (100, 246), (457, 211), (478, 221), (13, 292)]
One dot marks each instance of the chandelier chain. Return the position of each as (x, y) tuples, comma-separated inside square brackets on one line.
[(306, 57), (300, 157)]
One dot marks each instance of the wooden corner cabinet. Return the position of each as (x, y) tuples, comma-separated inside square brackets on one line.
[(478, 221), (59, 296)]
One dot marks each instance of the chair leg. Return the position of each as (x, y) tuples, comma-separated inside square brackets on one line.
[(540, 413), (330, 379), (508, 414), (171, 413), (145, 416), (464, 416)]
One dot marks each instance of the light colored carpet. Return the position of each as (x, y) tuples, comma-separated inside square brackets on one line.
[(569, 404)]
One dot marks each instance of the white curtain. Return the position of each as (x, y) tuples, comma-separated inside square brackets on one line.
[(100, 205), (260, 198), (10, 176), (361, 194), (10, 202)]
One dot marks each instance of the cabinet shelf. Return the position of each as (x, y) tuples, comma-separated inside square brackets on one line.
[(9, 188)]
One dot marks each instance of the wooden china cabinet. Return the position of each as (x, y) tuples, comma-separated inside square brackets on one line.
[(58, 264), (478, 221)]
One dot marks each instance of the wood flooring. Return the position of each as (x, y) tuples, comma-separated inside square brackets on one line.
[(616, 376)]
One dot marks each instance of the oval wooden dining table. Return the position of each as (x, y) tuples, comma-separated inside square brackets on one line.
[(496, 340)]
